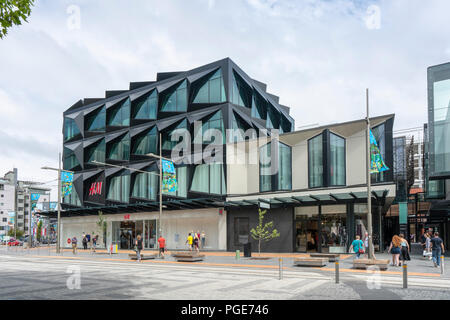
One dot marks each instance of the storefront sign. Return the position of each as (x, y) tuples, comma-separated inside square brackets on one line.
[(96, 188), (126, 217)]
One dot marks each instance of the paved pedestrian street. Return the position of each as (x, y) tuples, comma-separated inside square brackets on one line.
[(87, 276)]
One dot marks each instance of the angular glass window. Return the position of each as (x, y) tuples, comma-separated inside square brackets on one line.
[(146, 143), (337, 160), (96, 121), (240, 92), (70, 129), (212, 91), (181, 192), (273, 118), (119, 116), (70, 161), (213, 123), (259, 106), (265, 176), (167, 143), (119, 188), (72, 199), (145, 107), (284, 167), (96, 152), (315, 161), (239, 127), (176, 100), (209, 178), (146, 185), (120, 149)]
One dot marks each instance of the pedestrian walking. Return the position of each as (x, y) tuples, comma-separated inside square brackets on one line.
[(138, 247), (203, 239), (395, 250), (357, 247), (94, 242), (88, 237), (366, 244), (162, 246), (404, 249), (84, 241), (196, 241), (74, 244), (437, 248), (427, 251), (189, 241)]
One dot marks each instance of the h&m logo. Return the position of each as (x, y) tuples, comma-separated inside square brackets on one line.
[(96, 188)]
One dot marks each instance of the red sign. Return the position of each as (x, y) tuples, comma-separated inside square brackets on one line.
[(96, 188), (126, 217), (68, 240)]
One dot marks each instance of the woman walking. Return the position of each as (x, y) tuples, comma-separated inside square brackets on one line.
[(395, 250), (405, 249), (357, 247), (138, 247), (428, 246)]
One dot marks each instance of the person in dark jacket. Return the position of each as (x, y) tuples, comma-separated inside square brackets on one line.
[(138, 243)]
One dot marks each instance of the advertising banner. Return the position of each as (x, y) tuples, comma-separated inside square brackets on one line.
[(376, 160), (169, 178), (66, 180)]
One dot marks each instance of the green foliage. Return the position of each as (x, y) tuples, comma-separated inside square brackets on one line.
[(17, 234), (39, 231), (13, 12), (262, 231)]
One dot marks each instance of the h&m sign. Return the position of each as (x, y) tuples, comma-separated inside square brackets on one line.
[(96, 188)]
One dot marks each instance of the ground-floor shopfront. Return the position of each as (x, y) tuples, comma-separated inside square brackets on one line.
[(123, 228), (322, 228)]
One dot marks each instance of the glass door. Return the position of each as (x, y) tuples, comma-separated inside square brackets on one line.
[(300, 239)]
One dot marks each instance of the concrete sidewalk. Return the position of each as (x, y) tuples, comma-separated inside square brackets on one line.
[(418, 266)]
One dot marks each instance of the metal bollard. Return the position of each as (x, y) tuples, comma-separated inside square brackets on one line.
[(405, 276), (280, 262), (238, 254), (337, 271), (442, 264)]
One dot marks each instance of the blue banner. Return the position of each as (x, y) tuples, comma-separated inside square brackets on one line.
[(169, 178), (66, 180), (35, 196), (376, 160)]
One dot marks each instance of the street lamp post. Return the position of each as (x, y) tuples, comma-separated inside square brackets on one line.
[(58, 232), (369, 196)]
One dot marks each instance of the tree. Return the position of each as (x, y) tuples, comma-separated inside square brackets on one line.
[(262, 231), (13, 12), (102, 226), (410, 165), (19, 233), (39, 231)]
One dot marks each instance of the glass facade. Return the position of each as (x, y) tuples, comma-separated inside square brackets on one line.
[(215, 122), (273, 118), (259, 106), (70, 160), (96, 121), (146, 185), (120, 149), (96, 152), (315, 161), (176, 101), (167, 143), (209, 178), (70, 129), (119, 116), (72, 199), (337, 160), (146, 143), (441, 132), (239, 92), (119, 188), (281, 179), (145, 108), (239, 127), (213, 91)]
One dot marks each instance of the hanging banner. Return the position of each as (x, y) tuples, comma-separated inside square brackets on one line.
[(66, 180), (377, 164), (35, 196), (169, 178)]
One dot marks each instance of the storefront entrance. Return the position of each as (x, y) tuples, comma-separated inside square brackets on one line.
[(306, 234), (124, 233)]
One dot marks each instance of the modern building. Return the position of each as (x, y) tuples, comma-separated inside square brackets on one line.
[(7, 200), (107, 142), (438, 149), (317, 196)]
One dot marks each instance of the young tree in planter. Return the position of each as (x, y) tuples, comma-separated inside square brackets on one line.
[(262, 231), (102, 226), (39, 231)]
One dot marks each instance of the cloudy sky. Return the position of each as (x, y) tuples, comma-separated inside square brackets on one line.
[(317, 55)]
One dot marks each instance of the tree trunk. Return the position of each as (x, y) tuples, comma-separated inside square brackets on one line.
[(259, 247)]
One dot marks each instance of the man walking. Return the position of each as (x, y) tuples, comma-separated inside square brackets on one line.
[(437, 248), (189, 241), (84, 241), (162, 246), (74, 245)]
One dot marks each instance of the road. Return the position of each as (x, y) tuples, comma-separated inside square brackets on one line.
[(34, 277)]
